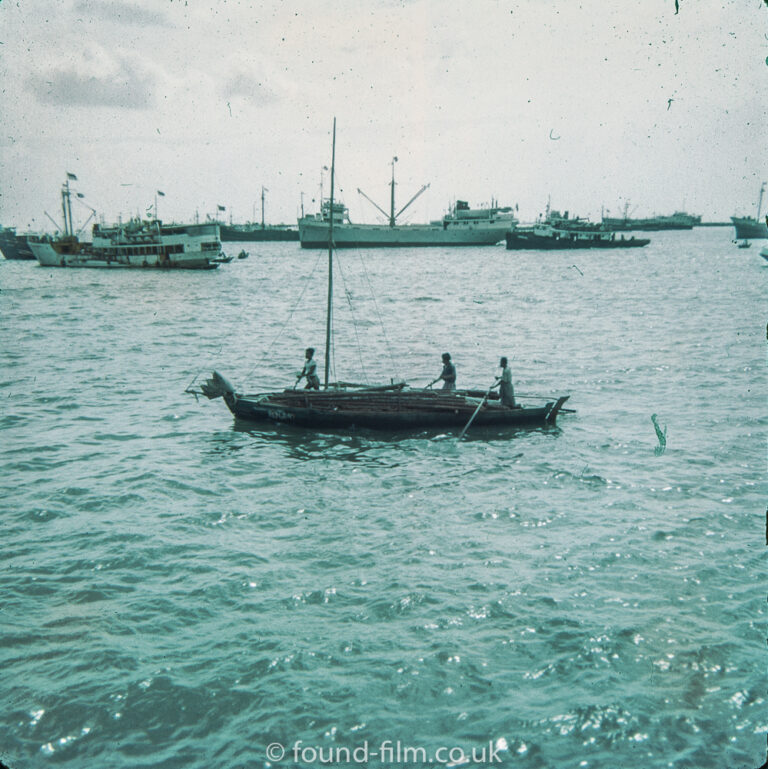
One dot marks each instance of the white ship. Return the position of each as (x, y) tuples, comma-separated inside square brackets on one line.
[(136, 243), (462, 226)]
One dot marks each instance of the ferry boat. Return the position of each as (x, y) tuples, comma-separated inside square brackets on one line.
[(146, 243), (461, 226), (136, 243)]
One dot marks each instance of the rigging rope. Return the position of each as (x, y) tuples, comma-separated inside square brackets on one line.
[(307, 282), (381, 321), (354, 319)]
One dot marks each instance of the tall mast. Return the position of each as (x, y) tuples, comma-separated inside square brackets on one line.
[(760, 201), (64, 191), (263, 190), (69, 210), (392, 196), (330, 265)]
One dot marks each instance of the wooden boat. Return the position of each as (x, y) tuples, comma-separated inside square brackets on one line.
[(394, 407), (388, 407)]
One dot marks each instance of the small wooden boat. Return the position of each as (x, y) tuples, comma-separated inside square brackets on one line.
[(388, 407), (243, 254), (744, 244), (393, 407)]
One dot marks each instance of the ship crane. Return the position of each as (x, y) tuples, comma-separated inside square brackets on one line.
[(392, 216)]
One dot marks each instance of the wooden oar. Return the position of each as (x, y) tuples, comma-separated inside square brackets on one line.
[(472, 418)]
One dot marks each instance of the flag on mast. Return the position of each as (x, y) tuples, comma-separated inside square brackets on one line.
[(71, 176), (222, 208), (162, 194)]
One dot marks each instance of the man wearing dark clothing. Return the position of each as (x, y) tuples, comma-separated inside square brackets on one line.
[(448, 374)]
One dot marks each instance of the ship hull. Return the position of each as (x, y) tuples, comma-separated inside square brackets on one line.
[(620, 225), (46, 254), (232, 234), (523, 241), (148, 245), (14, 246), (748, 228), (314, 234)]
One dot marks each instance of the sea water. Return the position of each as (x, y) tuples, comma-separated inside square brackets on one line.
[(183, 591)]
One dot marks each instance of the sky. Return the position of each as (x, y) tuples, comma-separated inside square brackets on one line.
[(593, 105)]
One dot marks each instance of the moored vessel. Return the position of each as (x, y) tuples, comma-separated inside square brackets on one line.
[(253, 233), (136, 243), (461, 226), (13, 245), (751, 228), (679, 220), (558, 232), (146, 243)]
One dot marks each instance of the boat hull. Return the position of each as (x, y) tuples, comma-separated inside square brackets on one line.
[(681, 222), (46, 254), (748, 228), (314, 234), (14, 246), (519, 241), (391, 412), (240, 234)]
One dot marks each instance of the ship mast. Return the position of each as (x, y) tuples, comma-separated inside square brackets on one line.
[(392, 216), (64, 194), (330, 266), (263, 190), (760, 201), (392, 195)]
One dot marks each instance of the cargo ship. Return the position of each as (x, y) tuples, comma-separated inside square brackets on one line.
[(461, 226), (679, 220)]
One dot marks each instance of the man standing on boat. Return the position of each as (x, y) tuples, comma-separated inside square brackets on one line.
[(310, 371), (504, 383), (448, 374)]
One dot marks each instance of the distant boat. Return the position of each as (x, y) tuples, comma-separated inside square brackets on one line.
[(52, 250), (462, 226), (14, 246), (748, 228), (558, 232), (679, 220), (243, 255), (147, 243), (237, 233), (136, 243), (744, 244), (253, 232), (392, 407)]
